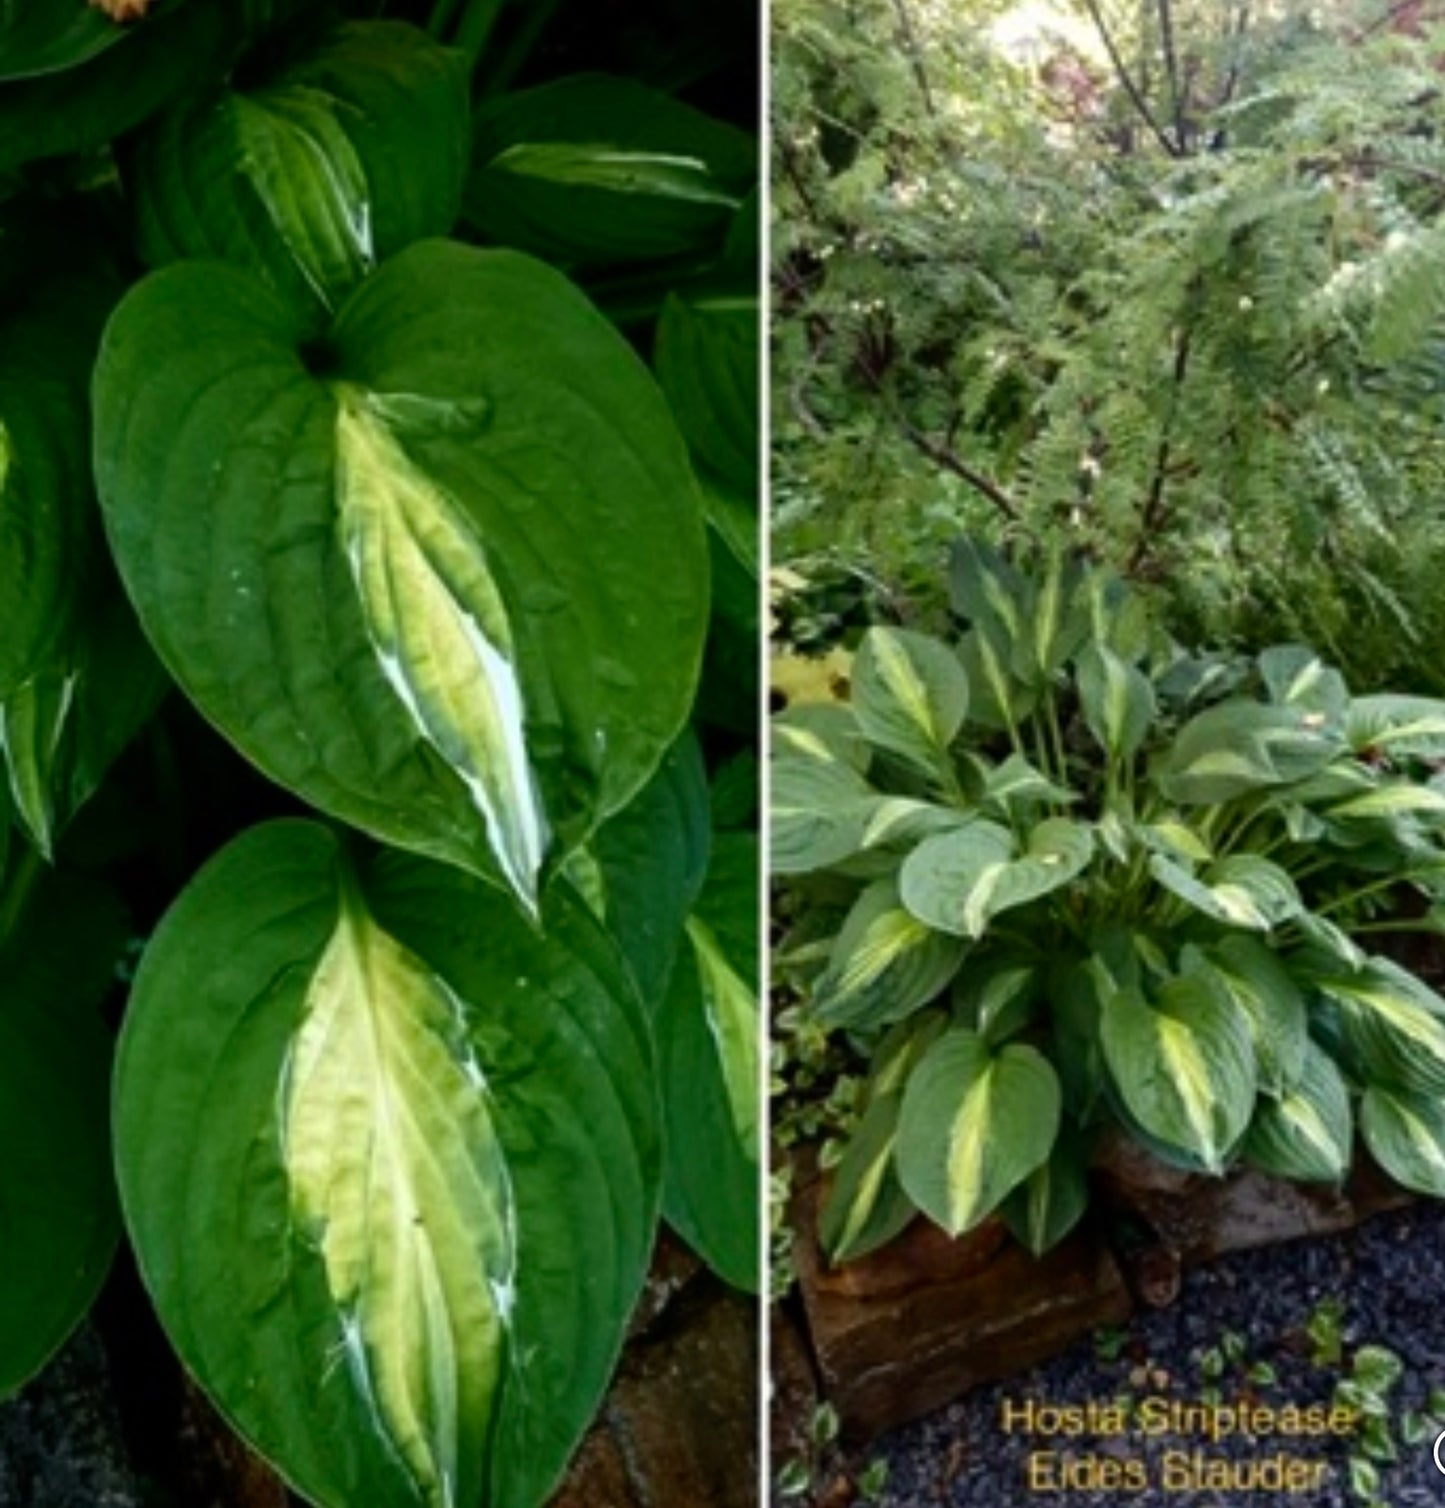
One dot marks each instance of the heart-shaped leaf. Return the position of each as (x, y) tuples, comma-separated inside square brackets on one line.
[(1400, 726), (1406, 1136), (1260, 984), (885, 963), (594, 170), (48, 36), (1242, 890), (1117, 700), (866, 1205), (959, 881), (1184, 1065), (910, 695), (1392, 1023), (1051, 1201), (450, 587), (57, 1194), (1307, 1133), (974, 1125), (1239, 746), (389, 1159), (313, 174)]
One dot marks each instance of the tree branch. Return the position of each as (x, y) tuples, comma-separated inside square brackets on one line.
[(1154, 514), (1127, 83), (1171, 66), (915, 55)]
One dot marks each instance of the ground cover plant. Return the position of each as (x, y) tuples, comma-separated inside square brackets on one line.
[(1161, 281), (378, 523), (1053, 875)]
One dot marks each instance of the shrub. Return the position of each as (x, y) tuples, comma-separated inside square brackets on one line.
[(1084, 879)]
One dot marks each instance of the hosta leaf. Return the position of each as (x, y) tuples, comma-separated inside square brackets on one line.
[(1261, 985), (1394, 1024), (988, 590), (120, 86), (707, 363), (1238, 747), (1242, 890), (866, 1205), (1051, 1201), (389, 1161), (820, 809), (820, 730), (1406, 1136), (61, 731), (1057, 621), (910, 694), (1184, 1065), (885, 963), (997, 699), (1117, 700), (974, 1125), (57, 1195), (1015, 786), (49, 36), (1400, 726), (996, 996), (313, 174), (709, 1054), (1295, 676), (594, 169), (1306, 1132), (49, 330), (452, 589), (653, 858), (958, 881)]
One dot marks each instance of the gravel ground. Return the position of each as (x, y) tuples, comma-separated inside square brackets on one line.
[(1390, 1276), (60, 1444)]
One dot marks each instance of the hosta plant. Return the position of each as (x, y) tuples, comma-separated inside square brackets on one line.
[(377, 477), (1060, 876)]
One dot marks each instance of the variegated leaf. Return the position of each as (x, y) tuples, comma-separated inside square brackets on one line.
[(910, 695), (973, 1126), (885, 963), (1406, 1136), (1307, 1131), (390, 1162), (1183, 1065), (451, 587)]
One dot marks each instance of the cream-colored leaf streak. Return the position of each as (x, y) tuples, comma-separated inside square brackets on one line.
[(441, 632), (397, 1174)]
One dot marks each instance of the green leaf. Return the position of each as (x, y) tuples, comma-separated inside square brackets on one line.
[(820, 810), (1295, 676), (884, 963), (1376, 1369), (49, 330), (1238, 747), (314, 173), (1405, 1133), (1242, 890), (653, 856), (121, 85), (595, 170), (1015, 786), (959, 881), (910, 695), (1306, 1132), (389, 1160), (1052, 1199), (453, 590), (1117, 700), (1392, 1023), (707, 362), (866, 1206), (57, 1195), (709, 1054), (1260, 984), (1184, 1066), (48, 36), (997, 996), (1399, 726), (974, 1125)]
